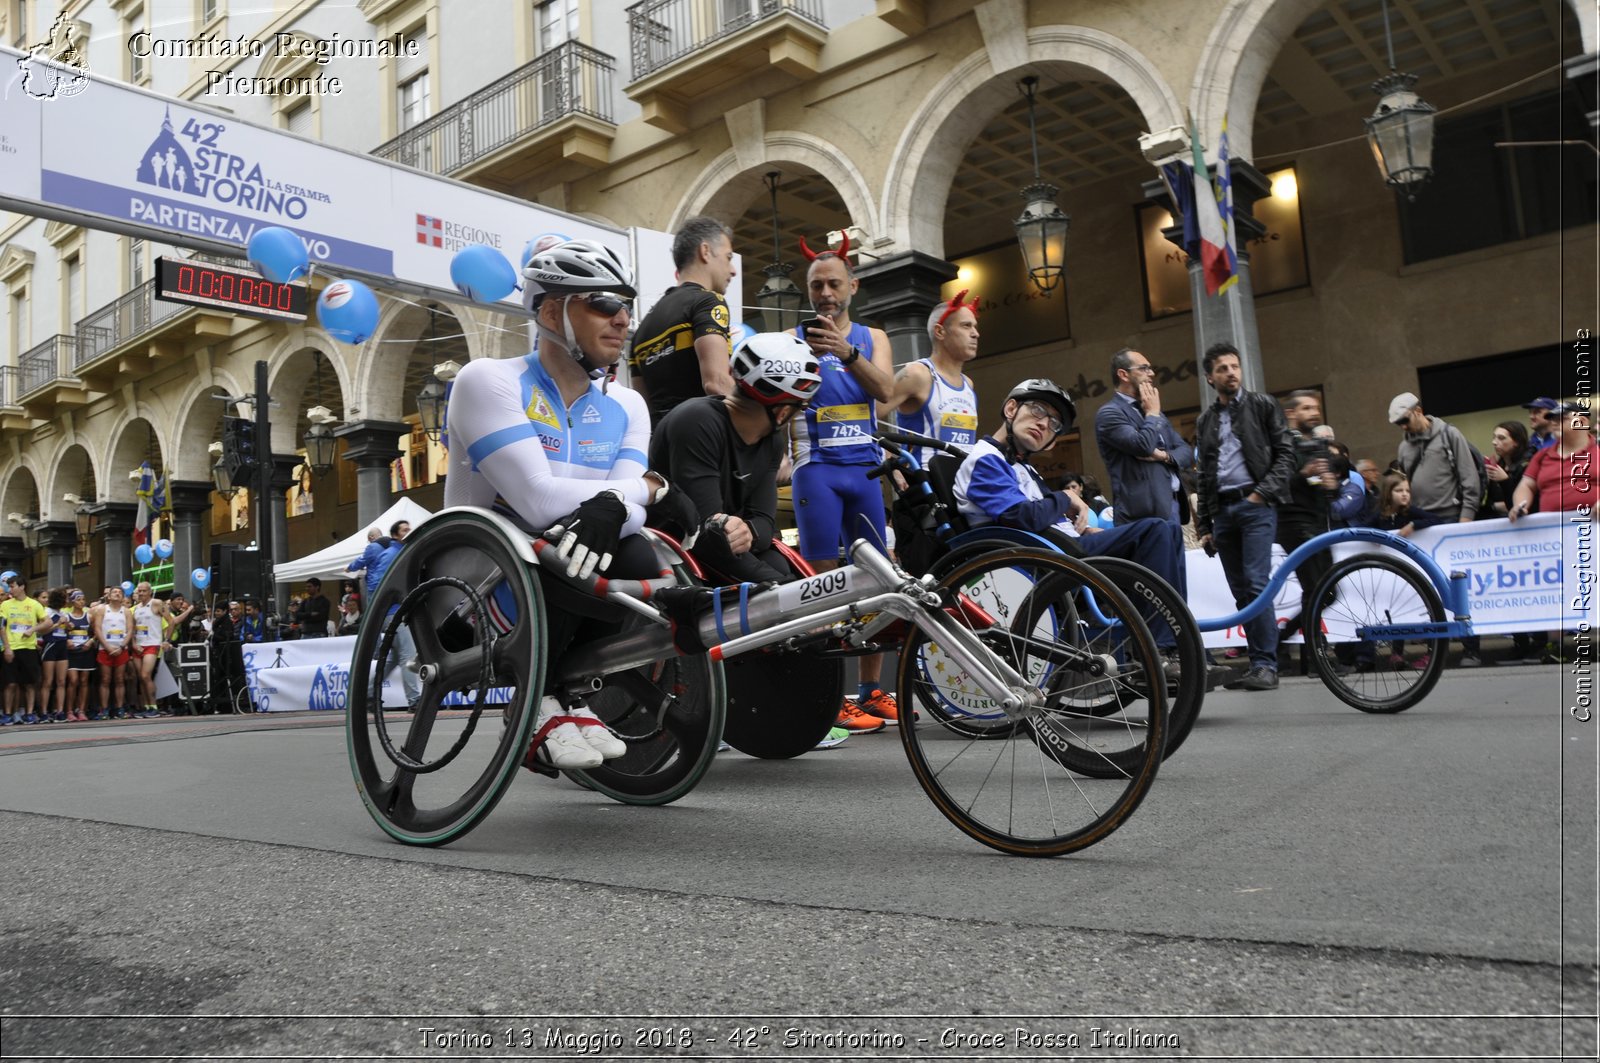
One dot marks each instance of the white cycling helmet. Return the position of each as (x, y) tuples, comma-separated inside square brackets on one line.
[(575, 266), (775, 368)]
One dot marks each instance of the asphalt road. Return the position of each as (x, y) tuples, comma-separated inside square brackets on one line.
[(1303, 880)]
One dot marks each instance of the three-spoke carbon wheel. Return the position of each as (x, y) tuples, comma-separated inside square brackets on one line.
[(1375, 676), (1064, 773), (461, 609)]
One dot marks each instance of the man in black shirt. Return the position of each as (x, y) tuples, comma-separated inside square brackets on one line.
[(723, 453), (680, 350), (314, 611)]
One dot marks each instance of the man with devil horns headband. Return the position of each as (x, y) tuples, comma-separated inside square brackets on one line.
[(835, 502), (936, 398)]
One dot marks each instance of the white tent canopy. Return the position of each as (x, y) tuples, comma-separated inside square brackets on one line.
[(330, 562)]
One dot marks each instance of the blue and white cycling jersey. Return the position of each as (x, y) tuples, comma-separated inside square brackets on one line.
[(513, 438)]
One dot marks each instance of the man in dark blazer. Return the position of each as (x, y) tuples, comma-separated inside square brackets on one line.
[(1141, 450)]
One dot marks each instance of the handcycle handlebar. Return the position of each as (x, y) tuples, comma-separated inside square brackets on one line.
[(912, 439)]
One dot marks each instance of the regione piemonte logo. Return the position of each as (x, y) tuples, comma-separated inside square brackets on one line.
[(57, 68), (430, 230)]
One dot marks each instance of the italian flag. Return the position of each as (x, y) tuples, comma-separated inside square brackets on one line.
[(1213, 236)]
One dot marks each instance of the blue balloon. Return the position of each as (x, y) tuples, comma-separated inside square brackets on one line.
[(7, 575), (143, 554), (278, 254), (200, 577), (541, 243), (348, 311), (738, 333), (163, 548), (482, 274), (127, 587)]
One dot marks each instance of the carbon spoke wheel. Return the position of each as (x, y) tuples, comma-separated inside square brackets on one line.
[(1063, 774), (1155, 597), (462, 597), (1372, 589), (670, 714)]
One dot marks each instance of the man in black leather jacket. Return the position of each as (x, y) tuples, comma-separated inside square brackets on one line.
[(1246, 460)]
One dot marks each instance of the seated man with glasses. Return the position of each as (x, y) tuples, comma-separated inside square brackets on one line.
[(996, 485), (549, 439)]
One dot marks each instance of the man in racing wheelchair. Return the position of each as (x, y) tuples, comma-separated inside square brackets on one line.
[(996, 485), (550, 441), (723, 454)]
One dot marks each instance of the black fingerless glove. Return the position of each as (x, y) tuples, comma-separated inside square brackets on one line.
[(676, 515), (589, 535)]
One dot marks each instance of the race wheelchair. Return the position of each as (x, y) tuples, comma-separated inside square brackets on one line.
[(1002, 685), (1368, 597)]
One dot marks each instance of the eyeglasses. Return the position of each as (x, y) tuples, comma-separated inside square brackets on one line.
[(1045, 414), (606, 303), (1145, 368)]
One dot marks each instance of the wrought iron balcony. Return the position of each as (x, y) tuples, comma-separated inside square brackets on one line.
[(9, 375), (664, 31), (49, 362), (571, 79), (123, 319)]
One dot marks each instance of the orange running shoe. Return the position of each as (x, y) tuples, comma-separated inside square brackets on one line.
[(883, 706), (852, 719)]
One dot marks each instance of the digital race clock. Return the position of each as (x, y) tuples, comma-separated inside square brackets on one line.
[(200, 284)]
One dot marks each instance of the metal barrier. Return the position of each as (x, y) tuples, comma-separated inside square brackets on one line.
[(569, 79), (663, 31)]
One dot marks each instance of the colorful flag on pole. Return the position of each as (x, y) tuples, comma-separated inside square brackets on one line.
[(141, 519), (1179, 178), (1213, 239), (1225, 201)]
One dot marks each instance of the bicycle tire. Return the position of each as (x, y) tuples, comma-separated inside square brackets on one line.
[(1373, 588), (435, 788), (1027, 600)]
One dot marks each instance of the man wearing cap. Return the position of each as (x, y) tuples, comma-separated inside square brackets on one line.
[(1544, 422), (1437, 460)]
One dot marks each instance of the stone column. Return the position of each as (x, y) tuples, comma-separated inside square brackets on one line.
[(1231, 316), (373, 446), (58, 538), (901, 291), (284, 468), (191, 502), (116, 528)]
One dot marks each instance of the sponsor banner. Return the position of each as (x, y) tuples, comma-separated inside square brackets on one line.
[(315, 674), (21, 123), (1536, 575)]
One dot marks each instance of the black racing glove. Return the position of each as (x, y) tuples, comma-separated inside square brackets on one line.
[(587, 537), (677, 515)]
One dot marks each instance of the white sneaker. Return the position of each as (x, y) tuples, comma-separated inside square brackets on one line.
[(599, 737), (564, 747)]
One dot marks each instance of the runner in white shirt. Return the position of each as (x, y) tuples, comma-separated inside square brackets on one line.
[(111, 630), (149, 639)]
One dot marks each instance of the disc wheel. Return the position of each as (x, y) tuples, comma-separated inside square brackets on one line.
[(1051, 778), (670, 714), (781, 704), (1155, 597), (1372, 589), (430, 772)]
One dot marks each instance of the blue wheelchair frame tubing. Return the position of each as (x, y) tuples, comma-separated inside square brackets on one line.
[(1452, 589), (1453, 592)]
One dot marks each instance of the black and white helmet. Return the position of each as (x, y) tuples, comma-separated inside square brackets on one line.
[(1051, 394), (575, 266), (775, 368)]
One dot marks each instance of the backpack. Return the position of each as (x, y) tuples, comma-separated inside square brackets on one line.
[(1462, 490)]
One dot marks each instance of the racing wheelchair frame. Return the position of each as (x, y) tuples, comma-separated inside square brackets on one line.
[(997, 653)]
